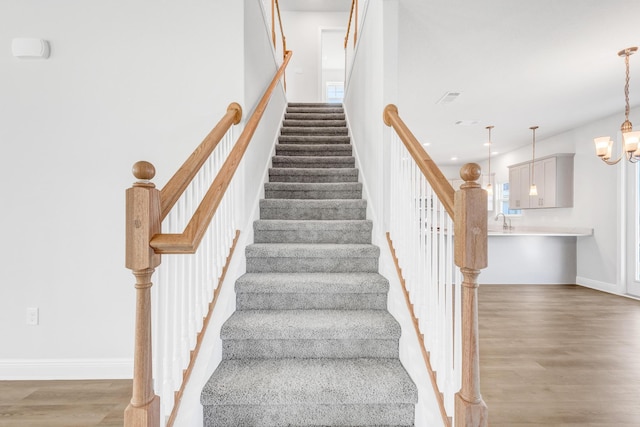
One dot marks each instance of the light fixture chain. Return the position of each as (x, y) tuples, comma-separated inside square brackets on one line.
[(626, 85)]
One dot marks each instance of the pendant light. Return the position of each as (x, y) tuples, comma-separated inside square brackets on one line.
[(533, 190), (630, 138), (489, 187)]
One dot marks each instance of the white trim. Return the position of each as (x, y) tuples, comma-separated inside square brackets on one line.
[(598, 285), (321, 89), (610, 288), (65, 369)]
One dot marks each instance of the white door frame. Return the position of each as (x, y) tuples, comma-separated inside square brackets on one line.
[(321, 30), (630, 204)]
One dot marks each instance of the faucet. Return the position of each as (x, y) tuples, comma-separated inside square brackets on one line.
[(505, 226)]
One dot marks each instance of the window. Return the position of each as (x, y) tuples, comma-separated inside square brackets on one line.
[(503, 199), (335, 91)]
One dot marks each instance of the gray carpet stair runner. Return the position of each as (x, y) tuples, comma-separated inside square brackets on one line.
[(311, 342)]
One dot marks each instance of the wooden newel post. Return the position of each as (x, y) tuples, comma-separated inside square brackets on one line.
[(142, 222), (470, 255)]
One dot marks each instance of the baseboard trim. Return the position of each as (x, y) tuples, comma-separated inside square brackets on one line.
[(65, 369), (600, 286)]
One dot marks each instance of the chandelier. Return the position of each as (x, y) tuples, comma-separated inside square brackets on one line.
[(604, 144)]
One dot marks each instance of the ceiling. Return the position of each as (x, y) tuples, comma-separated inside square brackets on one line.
[(315, 5), (550, 63)]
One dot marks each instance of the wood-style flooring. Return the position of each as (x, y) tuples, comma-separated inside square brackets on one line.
[(559, 356), (64, 403), (549, 356)]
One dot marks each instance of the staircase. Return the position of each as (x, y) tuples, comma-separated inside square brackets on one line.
[(311, 342)]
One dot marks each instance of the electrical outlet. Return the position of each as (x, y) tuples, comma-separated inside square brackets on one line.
[(32, 316)]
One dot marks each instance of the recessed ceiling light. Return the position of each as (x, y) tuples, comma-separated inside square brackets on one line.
[(448, 98), (454, 158), (426, 144)]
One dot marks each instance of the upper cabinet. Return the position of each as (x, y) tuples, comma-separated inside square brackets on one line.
[(553, 176)]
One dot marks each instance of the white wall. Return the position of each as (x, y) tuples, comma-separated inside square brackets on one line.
[(125, 81), (373, 84), (302, 30), (260, 68)]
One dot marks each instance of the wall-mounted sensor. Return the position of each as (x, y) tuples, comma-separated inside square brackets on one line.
[(30, 48)]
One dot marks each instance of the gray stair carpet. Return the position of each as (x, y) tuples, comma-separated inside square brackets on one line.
[(311, 342)]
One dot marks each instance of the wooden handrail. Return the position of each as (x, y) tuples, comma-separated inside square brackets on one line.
[(174, 188), (284, 39), (441, 185), (275, 6), (189, 239), (354, 7), (273, 22), (355, 28)]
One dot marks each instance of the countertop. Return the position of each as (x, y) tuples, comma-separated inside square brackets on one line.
[(541, 231)]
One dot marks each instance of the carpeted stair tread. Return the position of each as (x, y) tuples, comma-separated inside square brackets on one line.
[(311, 324), (306, 381), (315, 104), (305, 130), (313, 175), (318, 150), (314, 139), (310, 231), (311, 291), (314, 190), (307, 250), (283, 283), (315, 110), (310, 334), (311, 415), (314, 161), (338, 225), (313, 258), (313, 209), (314, 123), (314, 116)]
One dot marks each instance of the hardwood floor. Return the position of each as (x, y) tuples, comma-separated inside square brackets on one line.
[(549, 355), (63, 403), (559, 356)]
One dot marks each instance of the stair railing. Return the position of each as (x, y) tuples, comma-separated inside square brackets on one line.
[(275, 10), (188, 294), (432, 230), (352, 12)]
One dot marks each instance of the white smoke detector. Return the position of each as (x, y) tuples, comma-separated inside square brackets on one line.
[(30, 48)]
